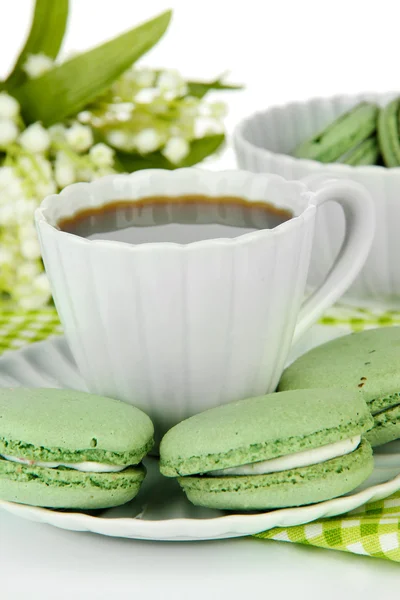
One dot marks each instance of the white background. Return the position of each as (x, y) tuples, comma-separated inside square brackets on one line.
[(283, 50)]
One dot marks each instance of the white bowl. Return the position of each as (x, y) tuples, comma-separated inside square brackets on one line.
[(263, 143)]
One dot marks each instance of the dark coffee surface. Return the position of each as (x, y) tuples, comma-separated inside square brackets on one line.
[(180, 219)]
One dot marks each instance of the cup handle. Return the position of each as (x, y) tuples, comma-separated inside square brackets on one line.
[(359, 211)]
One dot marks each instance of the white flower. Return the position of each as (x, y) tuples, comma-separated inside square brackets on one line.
[(160, 105), (14, 190), (24, 209), (27, 231), (85, 174), (65, 175), (84, 116), (123, 116), (190, 106), (122, 111), (30, 248), (97, 121), (121, 106), (144, 78), (79, 137), (27, 167), (44, 189), (35, 138), (176, 149), (147, 140), (178, 93), (175, 131), (45, 166), (7, 176), (8, 132), (37, 174), (64, 170), (171, 82), (117, 138), (102, 155), (7, 215), (37, 64), (169, 79), (205, 127), (64, 158), (9, 107), (103, 171), (146, 96), (57, 132)]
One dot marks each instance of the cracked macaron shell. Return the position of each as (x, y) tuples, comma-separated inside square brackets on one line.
[(51, 425), (262, 428), (367, 362)]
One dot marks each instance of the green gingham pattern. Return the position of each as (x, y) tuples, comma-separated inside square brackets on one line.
[(357, 319), (19, 328), (372, 530)]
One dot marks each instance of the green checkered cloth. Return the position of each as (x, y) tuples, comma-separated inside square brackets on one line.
[(17, 328), (372, 530)]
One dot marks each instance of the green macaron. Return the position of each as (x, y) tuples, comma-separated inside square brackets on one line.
[(366, 362), (366, 153), (342, 135), (279, 450), (69, 449), (389, 133)]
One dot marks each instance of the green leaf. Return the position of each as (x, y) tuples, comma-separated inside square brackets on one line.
[(128, 163), (46, 35), (199, 150), (67, 88), (200, 88)]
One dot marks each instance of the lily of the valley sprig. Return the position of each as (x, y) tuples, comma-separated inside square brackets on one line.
[(91, 115)]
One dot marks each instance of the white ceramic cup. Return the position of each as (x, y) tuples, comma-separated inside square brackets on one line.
[(178, 328)]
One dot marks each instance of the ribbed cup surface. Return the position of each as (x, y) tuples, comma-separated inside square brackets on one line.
[(176, 329)]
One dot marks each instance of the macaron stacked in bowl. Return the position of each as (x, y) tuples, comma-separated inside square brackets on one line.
[(351, 139), (365, 135)]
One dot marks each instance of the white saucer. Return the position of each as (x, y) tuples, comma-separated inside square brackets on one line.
[(161, 511)]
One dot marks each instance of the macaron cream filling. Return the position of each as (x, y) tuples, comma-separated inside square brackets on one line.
[(52, 454), (85, 467), (306, 458)]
